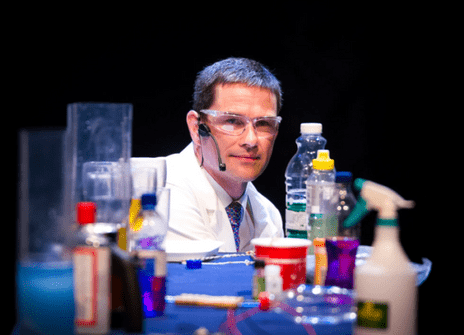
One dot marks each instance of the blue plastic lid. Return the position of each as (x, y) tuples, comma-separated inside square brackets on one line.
[(343, 177), (148, 201), (193, 264)]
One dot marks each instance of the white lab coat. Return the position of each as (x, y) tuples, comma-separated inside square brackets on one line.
[(198, 212)]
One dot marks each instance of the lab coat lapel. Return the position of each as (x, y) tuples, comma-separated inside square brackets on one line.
[(218, 221), (260, 215), (214, 213)]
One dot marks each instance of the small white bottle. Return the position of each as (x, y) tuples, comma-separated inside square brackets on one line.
[(273, 279)]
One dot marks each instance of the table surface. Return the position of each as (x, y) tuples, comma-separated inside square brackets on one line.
[(217, 278), (226, 276)]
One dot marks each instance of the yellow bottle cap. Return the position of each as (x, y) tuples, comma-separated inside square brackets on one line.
[(323, 161)]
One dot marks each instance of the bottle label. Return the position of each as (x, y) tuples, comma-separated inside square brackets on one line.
[(319, 197), (296, 220), (373, 314), (92, 286)]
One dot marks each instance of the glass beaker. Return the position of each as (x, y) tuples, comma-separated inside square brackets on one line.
[(107, 185), (44, 276), (101, 133), (148, 175)]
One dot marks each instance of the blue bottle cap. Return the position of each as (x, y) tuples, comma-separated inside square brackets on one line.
[(148, 201), (343, 177), (194, 264)]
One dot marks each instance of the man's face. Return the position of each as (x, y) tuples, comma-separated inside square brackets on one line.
[(246, 155)]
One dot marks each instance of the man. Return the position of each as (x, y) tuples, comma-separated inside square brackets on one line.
[(233, 126)]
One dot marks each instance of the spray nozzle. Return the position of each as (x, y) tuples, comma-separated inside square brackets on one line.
[(378, 197)]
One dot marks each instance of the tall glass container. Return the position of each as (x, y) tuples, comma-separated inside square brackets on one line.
[(99, 136), (44, 276)]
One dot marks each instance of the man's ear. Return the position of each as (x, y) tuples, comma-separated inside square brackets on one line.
[(192, 124)]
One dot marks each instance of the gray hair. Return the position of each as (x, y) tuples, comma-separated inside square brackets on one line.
[(231, 71)]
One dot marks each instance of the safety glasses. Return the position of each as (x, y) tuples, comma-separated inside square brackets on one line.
[(235, 124)]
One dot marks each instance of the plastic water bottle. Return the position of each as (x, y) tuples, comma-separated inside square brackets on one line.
[(346, 201), (152, 276), (320, 199), (152, 232), (298, 170)]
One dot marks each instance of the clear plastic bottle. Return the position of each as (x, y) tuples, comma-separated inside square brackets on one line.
[(320, 206), (148, 242), (92, 279), (346, 201), (298, 170), (153, 230)]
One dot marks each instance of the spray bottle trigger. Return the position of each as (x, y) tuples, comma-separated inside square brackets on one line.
[(359, 212), (358, 184)]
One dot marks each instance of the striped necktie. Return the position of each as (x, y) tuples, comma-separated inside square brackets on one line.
[(235, 212)]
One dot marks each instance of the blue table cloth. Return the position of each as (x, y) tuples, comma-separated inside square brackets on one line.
[(216, 278)]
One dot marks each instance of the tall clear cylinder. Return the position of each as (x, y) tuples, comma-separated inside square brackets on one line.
[(99, 139), (44, 277)]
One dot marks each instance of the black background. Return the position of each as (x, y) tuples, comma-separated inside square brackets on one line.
[(366, 73)]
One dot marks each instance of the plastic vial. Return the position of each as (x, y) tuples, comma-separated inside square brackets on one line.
[(259, 284), (320, 253), (274, 282), (320, 199), (298, 170)]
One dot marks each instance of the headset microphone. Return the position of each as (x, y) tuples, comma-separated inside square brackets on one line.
[(204, 131)]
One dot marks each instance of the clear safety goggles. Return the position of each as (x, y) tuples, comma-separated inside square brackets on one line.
[(235, 124)]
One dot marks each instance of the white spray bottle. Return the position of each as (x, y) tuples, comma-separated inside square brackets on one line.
[(386, 284)]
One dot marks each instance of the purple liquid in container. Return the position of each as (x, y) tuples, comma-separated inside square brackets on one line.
[(153, 290), (341, 257)]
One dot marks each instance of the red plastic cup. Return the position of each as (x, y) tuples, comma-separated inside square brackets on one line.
[(288, 253)]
